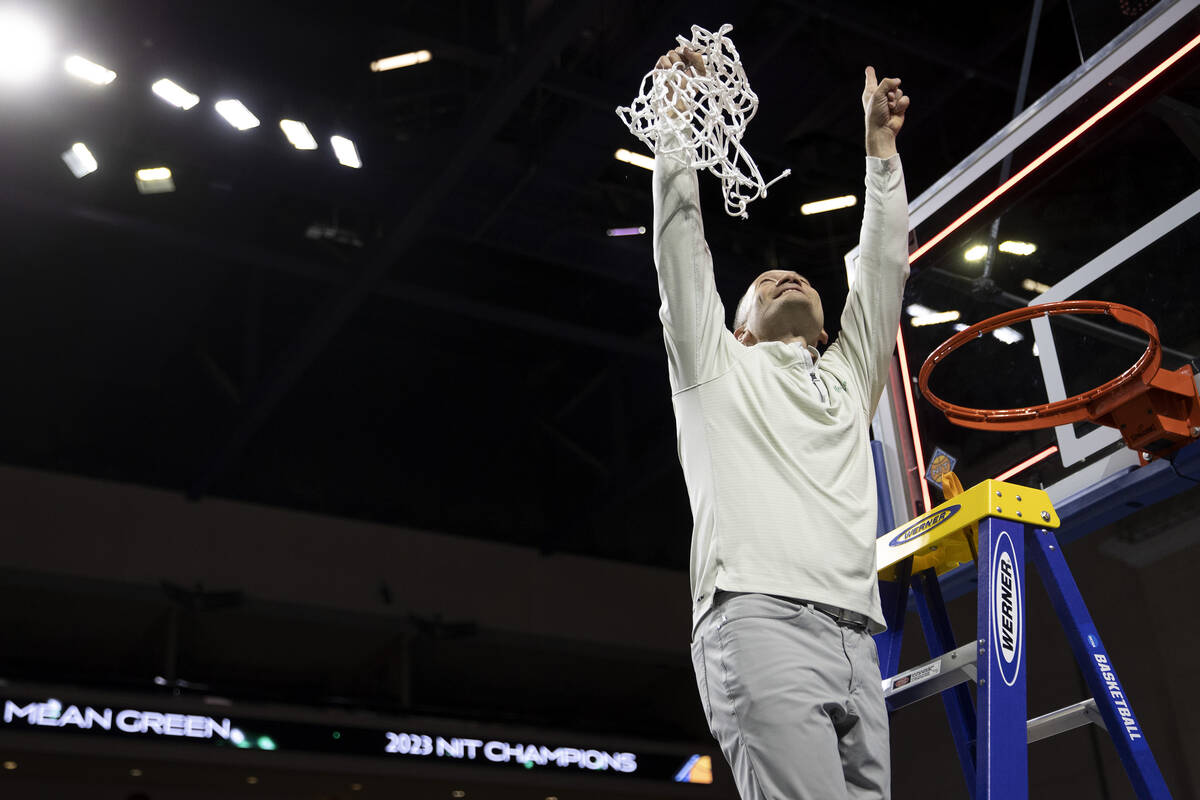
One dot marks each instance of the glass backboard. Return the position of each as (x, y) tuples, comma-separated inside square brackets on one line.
[(1092, 193)]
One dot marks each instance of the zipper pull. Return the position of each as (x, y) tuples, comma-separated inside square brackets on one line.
[(817, 383)]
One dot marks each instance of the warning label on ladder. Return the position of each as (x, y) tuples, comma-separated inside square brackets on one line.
[(919, 674)]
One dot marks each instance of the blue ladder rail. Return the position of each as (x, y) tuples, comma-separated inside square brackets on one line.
[(991, 736)]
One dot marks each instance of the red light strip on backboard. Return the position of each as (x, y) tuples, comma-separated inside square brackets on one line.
[(1029, 462), (984, 203), (1063, 142), (912, 418)]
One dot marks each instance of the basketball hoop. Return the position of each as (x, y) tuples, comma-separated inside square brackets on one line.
[(1156, 410)]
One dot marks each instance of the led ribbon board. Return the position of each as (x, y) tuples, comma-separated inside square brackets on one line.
[(144, 722)]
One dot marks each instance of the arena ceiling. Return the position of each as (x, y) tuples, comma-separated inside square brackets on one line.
[(461, 348)]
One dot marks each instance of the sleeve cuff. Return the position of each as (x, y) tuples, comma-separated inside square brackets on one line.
[(884, 165), (883, 173)]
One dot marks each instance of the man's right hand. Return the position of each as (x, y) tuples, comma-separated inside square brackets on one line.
[(884, 106), (688, 61)]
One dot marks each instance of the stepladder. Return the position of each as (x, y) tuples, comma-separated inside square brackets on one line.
[(999, 527)]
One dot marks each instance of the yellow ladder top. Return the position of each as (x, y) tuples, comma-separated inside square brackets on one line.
[(990, 498)]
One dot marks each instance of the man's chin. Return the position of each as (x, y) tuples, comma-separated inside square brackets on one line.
[(794, 309), (782, 334)]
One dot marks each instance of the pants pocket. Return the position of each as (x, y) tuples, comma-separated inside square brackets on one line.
[(701, 669), (736, 606)]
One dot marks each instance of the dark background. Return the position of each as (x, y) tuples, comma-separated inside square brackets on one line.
[(475, 358), (494, 369)]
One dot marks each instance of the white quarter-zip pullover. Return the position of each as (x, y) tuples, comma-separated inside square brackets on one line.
[(774, 440)]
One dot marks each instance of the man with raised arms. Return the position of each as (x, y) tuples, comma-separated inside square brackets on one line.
[(773, 439)]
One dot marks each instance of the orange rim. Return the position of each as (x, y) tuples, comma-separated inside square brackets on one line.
[(1047, 415)]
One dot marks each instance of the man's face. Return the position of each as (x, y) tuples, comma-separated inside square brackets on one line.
[(786, 305)]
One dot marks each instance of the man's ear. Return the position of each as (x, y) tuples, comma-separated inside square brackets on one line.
[(823, 338), (747, 338)]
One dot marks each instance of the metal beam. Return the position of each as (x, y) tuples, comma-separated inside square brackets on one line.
[(502, 99), (1018, 106)]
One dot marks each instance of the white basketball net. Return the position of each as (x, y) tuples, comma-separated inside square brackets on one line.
[(708, 132)]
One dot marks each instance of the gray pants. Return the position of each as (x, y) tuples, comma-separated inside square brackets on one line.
[(794, 699)]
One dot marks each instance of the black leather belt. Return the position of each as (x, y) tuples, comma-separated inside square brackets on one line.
[(840, 615)]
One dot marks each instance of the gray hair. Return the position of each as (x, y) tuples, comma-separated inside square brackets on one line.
[(742, 314)]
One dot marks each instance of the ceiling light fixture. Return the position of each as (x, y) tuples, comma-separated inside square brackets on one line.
[(174, 94), (832, 204), (24, 48), (1030, 285), (236, 114), (1007, 335), (346, 154), (154, 180), (402, 60), (80, 160), (626, 231), (636, 159), (1017, 248), (334, 233), (154, 174), (936, 318), (297, 133), (976, 253), (89, 71)]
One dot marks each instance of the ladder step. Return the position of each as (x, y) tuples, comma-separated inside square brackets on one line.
[(1064, 719), (934, 676)]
